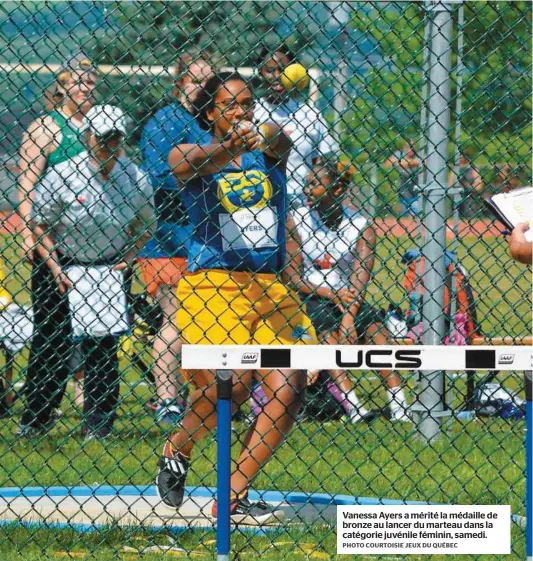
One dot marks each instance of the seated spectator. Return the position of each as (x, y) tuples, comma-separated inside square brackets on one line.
[(338, 255), (300, 121), (91, 215), (407, 163), (337, 246)]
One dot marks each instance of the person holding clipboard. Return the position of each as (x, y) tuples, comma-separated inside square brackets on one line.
[(520, 247), (513, 209), (91, 215)]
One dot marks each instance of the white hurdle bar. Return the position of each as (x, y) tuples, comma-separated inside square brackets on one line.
[(357, 357)]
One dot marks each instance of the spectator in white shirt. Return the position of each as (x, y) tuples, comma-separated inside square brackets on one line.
[(300, 121), (91, 214)]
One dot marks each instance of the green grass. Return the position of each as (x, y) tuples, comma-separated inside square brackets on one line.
[(476, 463), (313, 543)]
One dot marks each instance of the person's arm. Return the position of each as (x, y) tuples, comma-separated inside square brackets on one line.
[(190, 160), (45, 212), (278, 143), (364, 263), (45, 247), (292, 272), (34, 152), (521, 250), (359, 280), (144, 223), (477, 182), (451, 180)]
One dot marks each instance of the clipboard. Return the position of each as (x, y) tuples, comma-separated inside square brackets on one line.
[(513, 207)]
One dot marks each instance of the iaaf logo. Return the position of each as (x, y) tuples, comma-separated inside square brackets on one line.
[(374, 359), (249, 358), (506, 359)]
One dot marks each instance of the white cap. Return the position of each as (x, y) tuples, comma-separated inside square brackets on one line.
[(103, 119)]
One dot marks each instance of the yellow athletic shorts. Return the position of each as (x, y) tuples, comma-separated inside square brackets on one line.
[(222, 308)]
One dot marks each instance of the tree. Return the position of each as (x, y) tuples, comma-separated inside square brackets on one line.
[(496, 80), (153, 33)]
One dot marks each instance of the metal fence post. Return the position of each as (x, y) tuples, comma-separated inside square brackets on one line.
[(431, 397)]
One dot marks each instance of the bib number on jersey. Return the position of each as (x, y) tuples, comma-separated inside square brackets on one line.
[(249, 229)]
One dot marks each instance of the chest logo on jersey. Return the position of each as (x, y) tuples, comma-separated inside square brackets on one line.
[(244, 190)]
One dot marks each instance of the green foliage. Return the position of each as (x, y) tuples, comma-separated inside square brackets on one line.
[(154, 33), (496, 79)]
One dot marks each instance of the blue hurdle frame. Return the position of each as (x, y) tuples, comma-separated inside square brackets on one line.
[(224, 413)]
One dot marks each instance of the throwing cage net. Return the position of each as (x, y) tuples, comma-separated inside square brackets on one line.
[(255, 173)]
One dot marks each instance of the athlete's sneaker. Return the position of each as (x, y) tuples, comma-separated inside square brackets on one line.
[(400, 415), (35, 430), (169, 413), (170, 481), (94, 436), (242, 511), (152, 406), (361, 415)]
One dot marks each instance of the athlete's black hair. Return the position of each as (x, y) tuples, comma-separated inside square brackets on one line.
[(206, 97)]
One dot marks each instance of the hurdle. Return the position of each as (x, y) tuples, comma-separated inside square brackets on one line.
[(224, 359), (528, 380)]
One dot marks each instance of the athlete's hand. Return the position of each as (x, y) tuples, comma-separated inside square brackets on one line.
[(347, 331), (244, 138), (312, 377), (127, 261), (344, 298)]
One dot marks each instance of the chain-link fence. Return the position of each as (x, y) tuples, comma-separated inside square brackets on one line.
[(237, 172)]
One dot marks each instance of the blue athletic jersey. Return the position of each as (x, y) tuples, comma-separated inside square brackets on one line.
[(238, 217), (169, 127)]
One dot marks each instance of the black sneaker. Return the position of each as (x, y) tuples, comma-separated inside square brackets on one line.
[(170, 481), (242, 511), (35, 430)]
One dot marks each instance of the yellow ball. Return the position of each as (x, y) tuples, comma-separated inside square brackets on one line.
[(295, 77)]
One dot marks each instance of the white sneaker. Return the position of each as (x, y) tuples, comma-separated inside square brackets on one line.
[(362, 415), (400, 415)]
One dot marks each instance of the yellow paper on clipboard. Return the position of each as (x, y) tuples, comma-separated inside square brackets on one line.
[(514, 207)]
